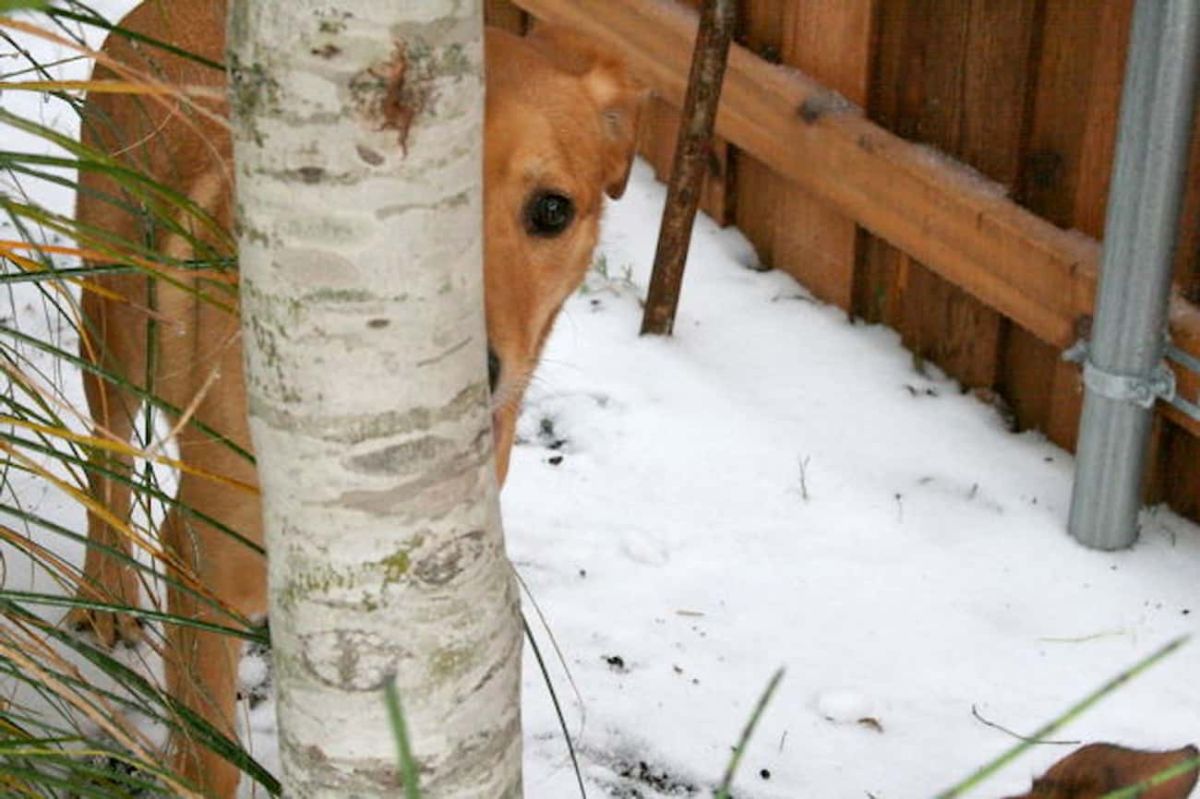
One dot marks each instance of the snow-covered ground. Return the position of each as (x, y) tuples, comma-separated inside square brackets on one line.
[(776, 486)]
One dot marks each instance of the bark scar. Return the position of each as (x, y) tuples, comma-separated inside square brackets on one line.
[(391, 94)]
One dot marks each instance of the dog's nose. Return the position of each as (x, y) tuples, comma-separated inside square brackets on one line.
[(493, 368)]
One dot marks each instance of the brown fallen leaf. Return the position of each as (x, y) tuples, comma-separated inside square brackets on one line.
[(1097, 769), (871, 723)]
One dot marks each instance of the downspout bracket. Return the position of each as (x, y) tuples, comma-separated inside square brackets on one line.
[(1137, 389), (1140, 390)]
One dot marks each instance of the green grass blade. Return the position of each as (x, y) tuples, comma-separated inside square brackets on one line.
[(65, 458), (78, 781), (142, 394), (9, 6), (253, 634), (128, 561), (409, 771), (1166, 775), (137, 184), (739, 750), (86, 15), (562, 720), (173, 712)]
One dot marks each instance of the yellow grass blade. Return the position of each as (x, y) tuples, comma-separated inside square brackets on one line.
[(131, 75), (114, 87), (105, 716), (31, 266), (124, 448), (185, 574), (9, 247)]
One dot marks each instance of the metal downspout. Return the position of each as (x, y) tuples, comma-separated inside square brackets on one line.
[(1124, 372)]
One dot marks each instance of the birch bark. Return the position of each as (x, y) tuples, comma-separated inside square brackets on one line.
[(358, 136)]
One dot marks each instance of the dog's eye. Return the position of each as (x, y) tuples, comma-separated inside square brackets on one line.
[(548, 214)]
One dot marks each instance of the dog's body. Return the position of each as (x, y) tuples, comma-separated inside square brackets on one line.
[(560, 127)]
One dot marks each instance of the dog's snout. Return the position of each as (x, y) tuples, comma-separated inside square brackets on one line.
[(493, 368)]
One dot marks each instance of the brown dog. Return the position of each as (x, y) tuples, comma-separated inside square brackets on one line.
[(560, 132)]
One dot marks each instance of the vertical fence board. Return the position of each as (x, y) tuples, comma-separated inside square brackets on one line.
[(1066, 399), (756, 187), (1174, 475), (954, 75), (919, 47), (657, 134), (1067, 65), (1099, 138), (717, 196), (996, 82), (879, 280), (1177, 456), (830, 40), (1094, 176), (1187, 255), (756, 190), (656, 143), (1065, 177), (760, 27)]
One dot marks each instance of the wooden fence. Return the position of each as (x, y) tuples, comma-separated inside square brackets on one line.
[(958, 196)]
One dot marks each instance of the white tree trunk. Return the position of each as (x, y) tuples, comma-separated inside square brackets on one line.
[(358, 141)]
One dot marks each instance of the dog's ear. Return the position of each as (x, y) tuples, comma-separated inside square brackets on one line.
[(611, 86)]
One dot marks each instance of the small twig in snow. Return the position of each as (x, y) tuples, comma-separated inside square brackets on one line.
[(1018, 736)]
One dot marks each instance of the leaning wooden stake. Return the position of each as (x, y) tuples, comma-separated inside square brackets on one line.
[(691, 149)]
